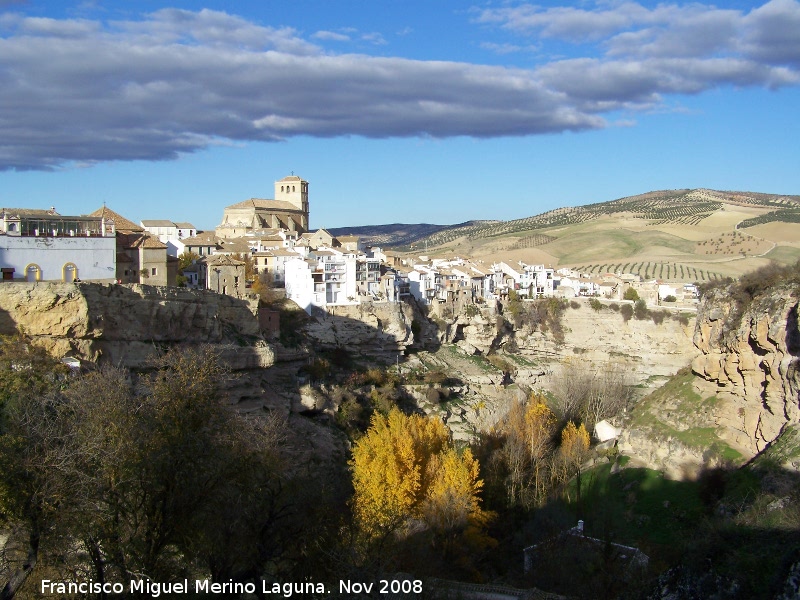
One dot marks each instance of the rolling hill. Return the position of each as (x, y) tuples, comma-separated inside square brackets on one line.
[(671, 234)]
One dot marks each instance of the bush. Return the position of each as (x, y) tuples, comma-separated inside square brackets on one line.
[(574, 304), (630, 294), (658, 316), (640, 310), (614, 306), (596, 304), (626, 310), (670, 298)]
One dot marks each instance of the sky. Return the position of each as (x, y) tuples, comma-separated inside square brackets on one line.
[(394, 111)]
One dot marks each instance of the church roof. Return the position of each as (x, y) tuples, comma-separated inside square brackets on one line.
[(291, 178), (261, 203)]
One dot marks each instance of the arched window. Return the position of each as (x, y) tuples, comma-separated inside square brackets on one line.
[(33, 272), (69, 272), (281, 188), (292, 188)]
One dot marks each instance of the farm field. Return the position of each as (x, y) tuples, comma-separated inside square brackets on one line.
[(706, 249)]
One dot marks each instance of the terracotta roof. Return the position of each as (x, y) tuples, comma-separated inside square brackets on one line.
[(142, 241), (28, 212), (185, 226), (206, 238), (157, 223), (120, 222), (222, 260)]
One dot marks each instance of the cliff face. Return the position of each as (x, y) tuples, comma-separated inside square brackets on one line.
[(592, 338), (127, 324), (751, 355), (379, 330)]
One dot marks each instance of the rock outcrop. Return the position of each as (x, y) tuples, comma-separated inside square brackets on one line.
[(380, 330), (751, 355), (127, 324), (645, 348)]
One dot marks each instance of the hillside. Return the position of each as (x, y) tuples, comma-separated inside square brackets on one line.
[(674, 235)]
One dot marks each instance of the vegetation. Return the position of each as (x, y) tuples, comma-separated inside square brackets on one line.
[(120, 477)]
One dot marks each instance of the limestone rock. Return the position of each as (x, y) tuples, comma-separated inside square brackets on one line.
[(129, 324)]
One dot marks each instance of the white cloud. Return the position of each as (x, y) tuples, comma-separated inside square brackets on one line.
[(331, 36)]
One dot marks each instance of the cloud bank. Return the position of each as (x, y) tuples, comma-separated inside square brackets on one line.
[(177, 81)]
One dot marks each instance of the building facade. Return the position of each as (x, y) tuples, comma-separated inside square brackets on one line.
[(41, 245), (288, 210)]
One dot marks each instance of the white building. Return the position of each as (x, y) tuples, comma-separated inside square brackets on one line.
[(41, 245), (170, 233)]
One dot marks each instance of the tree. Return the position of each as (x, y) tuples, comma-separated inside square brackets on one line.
[(589, 395), (640, 310), (186, 259), (527, 442), (406, 471), (630, 294), (30, 449), (572, 453), (126, 477)]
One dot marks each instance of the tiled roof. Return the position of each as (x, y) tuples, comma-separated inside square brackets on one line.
[(143, 241), (158, 223), (260, 203), (206, 238), (222, 260), (28, 212), (291, 178), (120, 222), (185, 226)]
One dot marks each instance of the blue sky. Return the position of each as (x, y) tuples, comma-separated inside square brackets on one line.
[(394, 111)]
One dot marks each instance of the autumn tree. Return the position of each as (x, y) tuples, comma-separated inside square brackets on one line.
[(526, 442), (572, 453), (406, 473)]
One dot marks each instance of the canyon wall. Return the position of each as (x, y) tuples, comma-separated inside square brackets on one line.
[(128, 324), (749, 355)]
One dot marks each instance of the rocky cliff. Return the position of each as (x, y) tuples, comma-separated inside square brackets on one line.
[(648, 350), (127, 324), (749, 353)]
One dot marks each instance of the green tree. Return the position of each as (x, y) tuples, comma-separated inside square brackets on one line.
[(630, 294)]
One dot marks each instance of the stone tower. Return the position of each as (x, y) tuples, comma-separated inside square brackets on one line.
[(294, 190)]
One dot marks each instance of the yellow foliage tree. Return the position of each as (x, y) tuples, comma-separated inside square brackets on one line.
[(528, 432), (405, 470), (573, 452)]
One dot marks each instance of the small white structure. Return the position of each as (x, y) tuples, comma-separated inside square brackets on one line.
[(605, 431)]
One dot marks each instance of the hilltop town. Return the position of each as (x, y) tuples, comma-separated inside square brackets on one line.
[(266, 244)]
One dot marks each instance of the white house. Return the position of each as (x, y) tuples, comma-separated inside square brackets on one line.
[(41, 245), (170, 233)]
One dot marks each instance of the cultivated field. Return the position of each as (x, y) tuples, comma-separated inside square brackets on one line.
[(681, 235)]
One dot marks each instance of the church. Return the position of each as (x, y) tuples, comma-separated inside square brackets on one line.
[(289, 210)]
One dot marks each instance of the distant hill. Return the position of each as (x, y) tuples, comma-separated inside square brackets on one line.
[(673, 235), (399, 234)]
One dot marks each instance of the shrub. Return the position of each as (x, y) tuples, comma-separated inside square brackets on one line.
[(574, 304), (670, 298), (658, 316), (614, 306), (640, 310), (630, 294), (626, 310), (596, 304)]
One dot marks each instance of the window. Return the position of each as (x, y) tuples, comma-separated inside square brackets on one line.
[(153, 271)]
